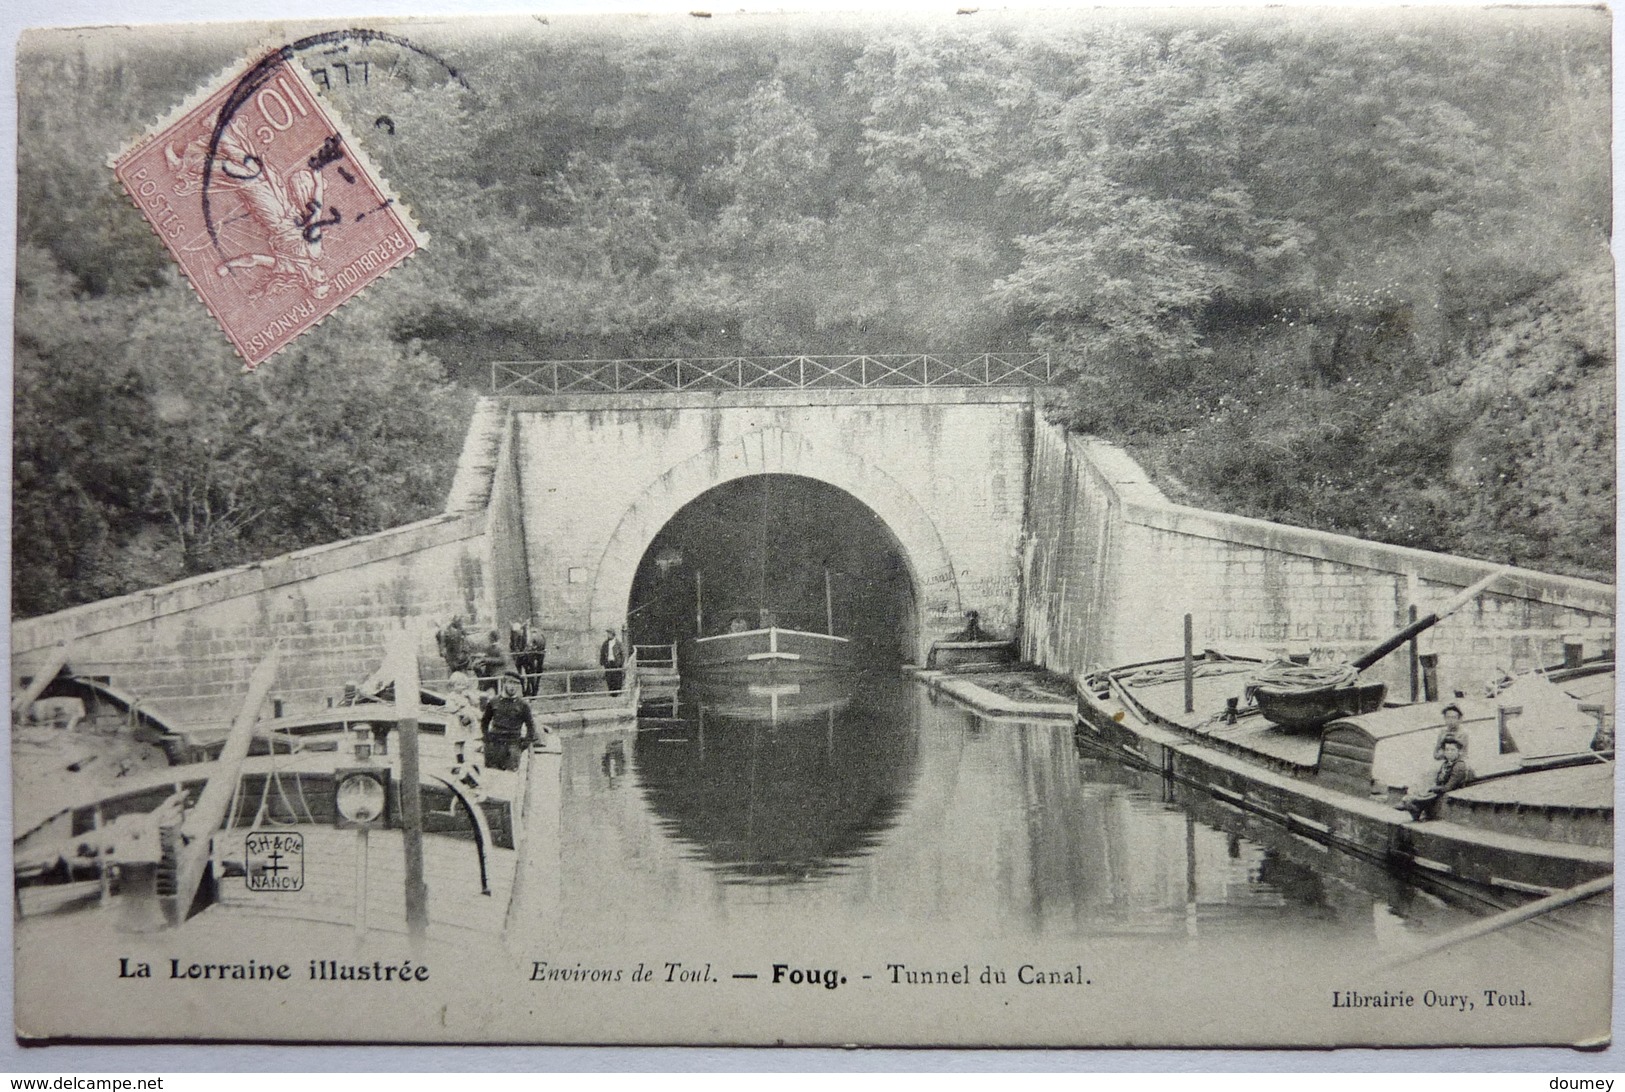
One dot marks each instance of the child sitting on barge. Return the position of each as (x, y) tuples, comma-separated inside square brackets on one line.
[(1453, 773)]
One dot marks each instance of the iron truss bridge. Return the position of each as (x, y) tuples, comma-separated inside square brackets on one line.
[(735, 373)]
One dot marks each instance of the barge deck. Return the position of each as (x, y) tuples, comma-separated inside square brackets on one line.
[(1533, 833)]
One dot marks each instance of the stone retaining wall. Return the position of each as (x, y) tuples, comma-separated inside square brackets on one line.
[(1108, 566), (1112, 566), (508, 564), (187, 649)]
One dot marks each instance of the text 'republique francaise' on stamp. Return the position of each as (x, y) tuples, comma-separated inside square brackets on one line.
[(269, 207)]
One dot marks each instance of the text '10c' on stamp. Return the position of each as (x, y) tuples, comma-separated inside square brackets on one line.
[(269, 207)]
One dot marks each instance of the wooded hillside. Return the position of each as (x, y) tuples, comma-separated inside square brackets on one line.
[(1347, 273)]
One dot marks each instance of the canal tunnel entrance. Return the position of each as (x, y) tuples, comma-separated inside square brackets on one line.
[(759, 547)]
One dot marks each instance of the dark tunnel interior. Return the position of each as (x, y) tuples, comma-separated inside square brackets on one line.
[(763, 544)]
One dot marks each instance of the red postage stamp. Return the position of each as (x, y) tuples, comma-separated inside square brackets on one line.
[(273, 213)]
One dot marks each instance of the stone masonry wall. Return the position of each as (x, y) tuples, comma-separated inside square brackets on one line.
[(1113, 567), (187, 649), (510, 577), (1065, 535), (1070, 557), (944, 470), (552, 506)]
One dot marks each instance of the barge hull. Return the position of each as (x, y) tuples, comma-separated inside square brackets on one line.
[(1367, 829), (766, 654)]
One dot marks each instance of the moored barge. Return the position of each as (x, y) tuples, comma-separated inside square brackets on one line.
[(1537, 818), (766, 653), (271, 818)]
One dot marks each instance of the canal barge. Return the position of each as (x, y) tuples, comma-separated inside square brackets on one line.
[(271, 818), (1537, 818), (766, 653), (75, 730), (317, 786)]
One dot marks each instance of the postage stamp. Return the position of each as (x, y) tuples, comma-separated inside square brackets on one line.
[(269, 207)]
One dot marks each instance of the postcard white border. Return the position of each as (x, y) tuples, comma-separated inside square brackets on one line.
[(132, 1059)]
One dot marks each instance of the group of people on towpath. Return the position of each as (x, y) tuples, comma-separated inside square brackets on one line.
[(524, 656), (524, 653), (489, 687)]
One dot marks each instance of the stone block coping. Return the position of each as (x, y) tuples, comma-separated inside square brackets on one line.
[(1143, 504), (89, 619)]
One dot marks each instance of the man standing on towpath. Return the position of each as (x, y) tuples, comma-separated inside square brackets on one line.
[(612, 658)]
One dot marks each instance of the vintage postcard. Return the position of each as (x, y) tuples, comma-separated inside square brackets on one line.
[(1068, 528)]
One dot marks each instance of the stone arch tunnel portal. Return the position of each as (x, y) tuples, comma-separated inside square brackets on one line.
[(762, 543)]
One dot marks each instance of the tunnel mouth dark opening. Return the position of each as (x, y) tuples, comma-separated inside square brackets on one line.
[(758, 548)]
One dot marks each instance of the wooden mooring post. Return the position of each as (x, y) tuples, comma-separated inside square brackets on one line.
[(1190, 666), (699, 604), (405, 672), (829, 606), (1416, 662)]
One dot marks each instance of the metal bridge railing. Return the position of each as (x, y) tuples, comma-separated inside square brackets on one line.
[(1007, 369)]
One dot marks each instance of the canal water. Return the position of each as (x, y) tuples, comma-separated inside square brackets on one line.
[(877, 865), (888, 830)]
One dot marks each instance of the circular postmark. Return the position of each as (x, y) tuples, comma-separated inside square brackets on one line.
[(258, 85)]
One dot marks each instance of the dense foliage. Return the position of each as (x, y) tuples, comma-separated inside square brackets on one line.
[(1344, 272)]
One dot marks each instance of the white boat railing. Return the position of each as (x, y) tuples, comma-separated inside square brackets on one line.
[(772, 635), (567, 684)]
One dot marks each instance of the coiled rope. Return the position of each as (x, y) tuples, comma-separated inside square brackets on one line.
[(1290, 678)]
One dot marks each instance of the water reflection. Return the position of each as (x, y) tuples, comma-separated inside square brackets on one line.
[(890, 819), (778, 783), (770, 703)]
